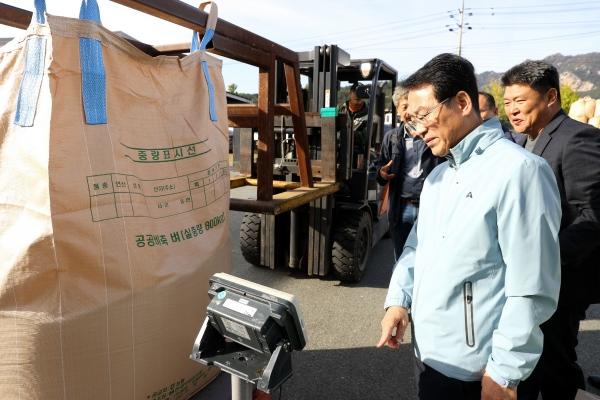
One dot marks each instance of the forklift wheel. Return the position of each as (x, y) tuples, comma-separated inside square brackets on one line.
[(250, 238), (352, 239)]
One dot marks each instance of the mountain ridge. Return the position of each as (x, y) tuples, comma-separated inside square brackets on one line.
[(581, 72)]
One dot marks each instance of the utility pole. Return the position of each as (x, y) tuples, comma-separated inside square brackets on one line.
[(460, 25), (462, 19)]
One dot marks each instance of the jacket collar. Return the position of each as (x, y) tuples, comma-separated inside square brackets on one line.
[(546, 134), (476, 142), (554, 123)]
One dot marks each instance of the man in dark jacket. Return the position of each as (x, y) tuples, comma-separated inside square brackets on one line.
[(488, 109), (532, 104), (358, 113), (405, 161)]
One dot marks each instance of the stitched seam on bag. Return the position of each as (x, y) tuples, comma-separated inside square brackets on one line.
[(104, 269), (130, 265)]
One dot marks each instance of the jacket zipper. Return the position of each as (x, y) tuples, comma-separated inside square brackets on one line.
[(468, 302)]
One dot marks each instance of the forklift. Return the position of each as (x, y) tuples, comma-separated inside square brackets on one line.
[(337, 229)]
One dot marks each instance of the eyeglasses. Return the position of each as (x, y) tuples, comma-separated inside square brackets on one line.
[(416, 123)]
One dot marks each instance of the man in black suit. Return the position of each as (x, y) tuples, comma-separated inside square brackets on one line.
[(532, 104)]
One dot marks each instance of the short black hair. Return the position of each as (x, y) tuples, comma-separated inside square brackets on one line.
[(537, 74), (489, 99), (355, 86), (448, 74)]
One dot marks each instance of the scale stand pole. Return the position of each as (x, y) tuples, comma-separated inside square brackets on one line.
[(241, 389)]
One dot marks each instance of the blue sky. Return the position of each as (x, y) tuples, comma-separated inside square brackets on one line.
[(404, 33)]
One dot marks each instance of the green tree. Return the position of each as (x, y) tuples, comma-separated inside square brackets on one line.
[(252, 97), (232, 88), (496, 89), (567, 97)]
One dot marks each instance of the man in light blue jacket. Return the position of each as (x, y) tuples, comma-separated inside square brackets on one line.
[(480, 270)]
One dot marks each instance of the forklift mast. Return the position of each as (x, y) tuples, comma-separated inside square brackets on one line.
[(326, 68), (323, 62), (335, 229)]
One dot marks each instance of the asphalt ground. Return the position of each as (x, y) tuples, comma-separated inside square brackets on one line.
[(340, 360)]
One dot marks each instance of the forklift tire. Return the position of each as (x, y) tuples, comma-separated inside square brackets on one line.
[(250, 238), (352, 238)]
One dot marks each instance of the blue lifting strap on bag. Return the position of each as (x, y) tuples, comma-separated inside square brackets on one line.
[(93, 77), (40, 10), (31, 82), (208, 35)]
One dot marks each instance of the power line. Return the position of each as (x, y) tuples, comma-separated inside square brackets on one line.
[(488, 44), (361, 41), (555, 37), (533, 28), (546, 11), (374, 36), (543, 24), (569, 4), (396, 39), (428, 18), (373, 44), (395, 36), (363, 37)]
